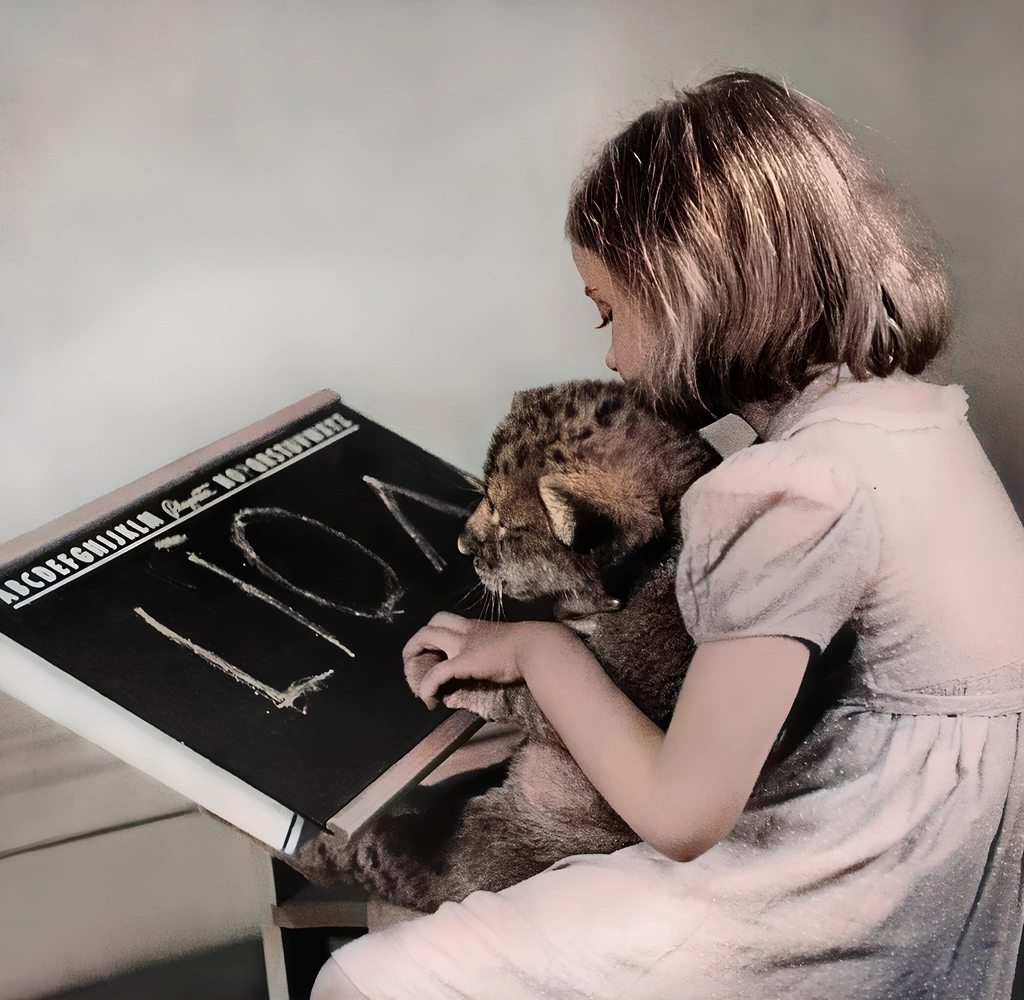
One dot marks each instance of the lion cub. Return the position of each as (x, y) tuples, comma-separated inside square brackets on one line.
[(581, 503)]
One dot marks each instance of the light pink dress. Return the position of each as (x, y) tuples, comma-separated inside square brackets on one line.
[(883, 857)]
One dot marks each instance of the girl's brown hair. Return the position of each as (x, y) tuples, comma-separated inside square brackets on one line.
[(761, 243)]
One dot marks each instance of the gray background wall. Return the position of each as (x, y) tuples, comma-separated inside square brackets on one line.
[(211, 209)]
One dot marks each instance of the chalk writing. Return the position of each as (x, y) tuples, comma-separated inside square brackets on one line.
[(281, 699), (387, 492), (247, 516), (251, 591), (393, 589)]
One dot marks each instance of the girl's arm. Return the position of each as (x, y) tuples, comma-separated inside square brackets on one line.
[(681, 790)]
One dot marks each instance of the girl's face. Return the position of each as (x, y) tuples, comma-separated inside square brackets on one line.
[(626, 355)]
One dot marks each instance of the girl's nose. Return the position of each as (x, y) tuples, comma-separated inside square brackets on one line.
[(609, 359)]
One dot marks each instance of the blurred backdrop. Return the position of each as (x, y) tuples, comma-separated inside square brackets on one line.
[(212, 208)]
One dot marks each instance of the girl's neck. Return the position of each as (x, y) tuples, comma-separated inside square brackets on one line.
[(760, 412), (764, 415)]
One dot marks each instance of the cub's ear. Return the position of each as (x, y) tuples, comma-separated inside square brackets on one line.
[(558, 502), (588, 509)]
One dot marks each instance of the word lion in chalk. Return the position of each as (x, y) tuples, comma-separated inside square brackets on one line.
[(385, 610)]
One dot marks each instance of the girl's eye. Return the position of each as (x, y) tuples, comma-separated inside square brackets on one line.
[(606, 318)]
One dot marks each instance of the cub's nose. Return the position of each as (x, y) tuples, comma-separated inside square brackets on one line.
[(475, 531)]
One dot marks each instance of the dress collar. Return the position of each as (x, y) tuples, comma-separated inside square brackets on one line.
[(897, 402)]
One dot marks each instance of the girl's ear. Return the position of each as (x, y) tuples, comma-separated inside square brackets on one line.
[(592, 508)]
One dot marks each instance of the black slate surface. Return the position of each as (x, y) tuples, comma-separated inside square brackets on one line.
[(319, 541)]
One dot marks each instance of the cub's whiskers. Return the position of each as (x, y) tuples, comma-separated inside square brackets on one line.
[(470, 597)]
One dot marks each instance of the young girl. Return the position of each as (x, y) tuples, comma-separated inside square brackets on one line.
[(748, 258)]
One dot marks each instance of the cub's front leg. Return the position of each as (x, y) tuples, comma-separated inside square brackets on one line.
[(401, 846), (429, 850), (404, 856), (411, 836), (508, 703)]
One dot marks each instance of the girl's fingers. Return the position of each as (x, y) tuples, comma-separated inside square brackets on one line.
[(440, 674), (455, 648), (417, 666), (456, 623), (417, 669), (432, 637), (431, 645)]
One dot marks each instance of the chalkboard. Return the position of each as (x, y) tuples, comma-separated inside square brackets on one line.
[(252, 603)]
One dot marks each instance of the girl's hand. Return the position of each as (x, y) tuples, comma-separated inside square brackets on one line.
[(454, 648)]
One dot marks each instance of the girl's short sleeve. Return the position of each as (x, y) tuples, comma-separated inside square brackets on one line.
[(776, 542)]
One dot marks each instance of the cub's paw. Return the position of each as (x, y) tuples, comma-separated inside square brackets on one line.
[(410, 855), (326, 859), (490, 701), (386, 865)]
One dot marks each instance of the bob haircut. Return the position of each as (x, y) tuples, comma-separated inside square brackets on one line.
[(762, 246)]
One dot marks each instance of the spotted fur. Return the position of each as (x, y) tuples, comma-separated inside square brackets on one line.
[(581, 502)]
